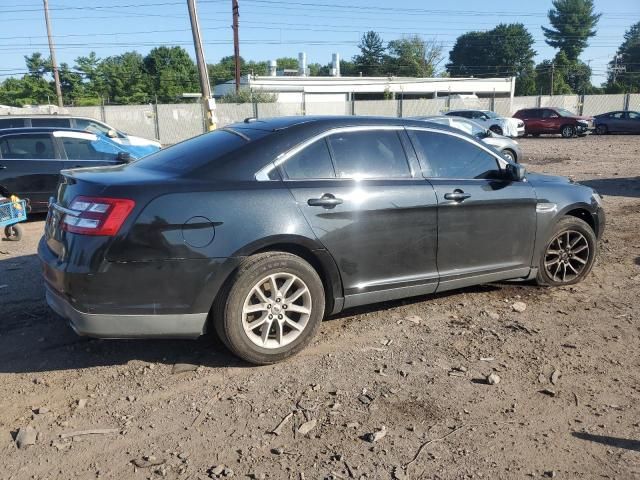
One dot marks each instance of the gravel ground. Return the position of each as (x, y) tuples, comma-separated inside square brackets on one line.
[(396, 390)]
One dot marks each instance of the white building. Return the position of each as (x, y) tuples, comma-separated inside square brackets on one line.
[(302, 88)]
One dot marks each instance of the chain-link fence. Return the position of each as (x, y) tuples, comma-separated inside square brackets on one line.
[(171, 123)]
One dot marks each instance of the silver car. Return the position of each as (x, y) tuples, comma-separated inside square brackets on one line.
[(508, 147)]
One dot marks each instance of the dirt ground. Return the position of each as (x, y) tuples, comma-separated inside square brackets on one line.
[(567, 405)]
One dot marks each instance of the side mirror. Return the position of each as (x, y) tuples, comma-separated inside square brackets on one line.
[(123, 157), (516, 172), (112, 134)]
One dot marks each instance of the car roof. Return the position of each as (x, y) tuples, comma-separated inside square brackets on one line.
[(329, 121), (49, 115), (7, 131)]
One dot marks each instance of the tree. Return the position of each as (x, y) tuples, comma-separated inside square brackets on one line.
[(372, 55), (413, 57), (627, 56), (37, 65), (573, 22), (506, 50), (556, 69), (125, 80), (171, 73)]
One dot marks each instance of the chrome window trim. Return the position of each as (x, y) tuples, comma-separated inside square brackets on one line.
[(262, 175)]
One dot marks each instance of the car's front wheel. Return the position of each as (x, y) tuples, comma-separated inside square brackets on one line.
[(568, 131), (271, 307), (509, 155), (569, 254), (601, 129)]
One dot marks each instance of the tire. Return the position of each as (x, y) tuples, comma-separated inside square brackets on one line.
[(602, 130), (496, 129), (580, 235), (241, 293), (13, 233), (509, 155), (568, 131), (535, 135)]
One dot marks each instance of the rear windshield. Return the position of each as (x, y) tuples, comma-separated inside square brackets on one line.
[(193, 153)]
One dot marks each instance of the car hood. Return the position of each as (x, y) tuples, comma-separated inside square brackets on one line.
[(541, 178)]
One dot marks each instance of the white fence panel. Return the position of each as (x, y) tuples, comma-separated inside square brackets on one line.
[(422, 107), (383, 108), (595, 104), (470, 103), (90, 112), (523, 102), (634, 101), (569, 102), (233, 112), (179, 121), (267, 110), (133, 119), (327, 108)]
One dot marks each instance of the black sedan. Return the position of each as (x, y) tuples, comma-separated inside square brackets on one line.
[(31, 159), (260, 229), (622, 121)]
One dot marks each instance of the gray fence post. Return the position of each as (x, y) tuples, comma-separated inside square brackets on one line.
[(255, 109), (400, 106), (103, 116), (580, 104), (304, 104), (156, 120), (626, 101)]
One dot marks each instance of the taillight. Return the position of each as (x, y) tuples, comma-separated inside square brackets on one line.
[(97, 215)]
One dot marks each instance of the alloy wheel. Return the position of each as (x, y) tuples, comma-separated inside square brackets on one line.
[(276, 310), (567, 256)]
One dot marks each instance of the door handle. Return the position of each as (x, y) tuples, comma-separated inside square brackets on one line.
[(3, 167), (457, 195), (327, 200)]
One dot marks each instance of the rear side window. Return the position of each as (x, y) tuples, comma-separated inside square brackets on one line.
[(12, 123), (30, 146), (312, 162), (51, 122), (368, 154), (85, 149), (193, 153), (447, 156)]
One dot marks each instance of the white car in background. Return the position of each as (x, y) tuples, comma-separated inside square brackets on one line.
[(509, 127)]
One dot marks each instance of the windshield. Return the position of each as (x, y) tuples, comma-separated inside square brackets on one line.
[(490, 114), (565, 113)]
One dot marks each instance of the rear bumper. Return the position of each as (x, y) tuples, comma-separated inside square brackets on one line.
[(162, 298), (127, 326)]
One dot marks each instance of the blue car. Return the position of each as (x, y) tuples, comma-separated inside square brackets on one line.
[(622, 121)]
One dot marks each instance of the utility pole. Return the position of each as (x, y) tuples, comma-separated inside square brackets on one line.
[(52, 49), (207, 100), (236, 42), (553, 68)]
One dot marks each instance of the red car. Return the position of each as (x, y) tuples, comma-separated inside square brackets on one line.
[(553, 121)]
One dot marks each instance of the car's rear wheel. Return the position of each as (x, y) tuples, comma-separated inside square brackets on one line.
[(602, 130), (271, 307), (568, 131), (509, 155), (496, 129), (569, 254)]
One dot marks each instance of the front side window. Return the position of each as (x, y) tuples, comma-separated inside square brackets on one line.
[(51, 122), (447, 156), (369, 154), (31, 146), (549, 114), (312, 162)]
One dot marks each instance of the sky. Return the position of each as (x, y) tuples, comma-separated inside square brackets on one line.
[(270, 28)]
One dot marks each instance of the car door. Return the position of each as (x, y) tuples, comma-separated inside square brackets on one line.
[(361, 192), (531, 118), (84, 149), (550, 121), (30, 167), (633, 122), (486, 221)]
